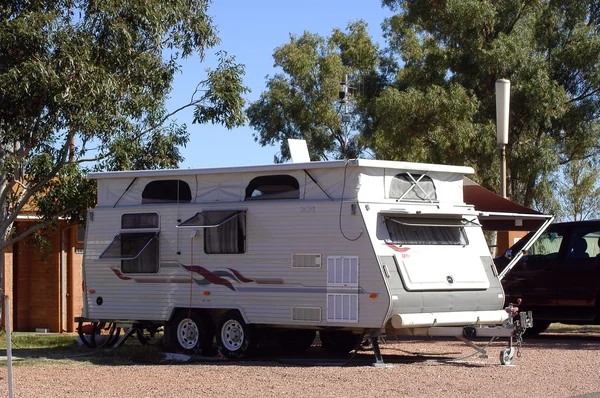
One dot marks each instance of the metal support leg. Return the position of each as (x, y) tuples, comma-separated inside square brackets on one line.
[(128, 332), (378, 358), (481, 351)]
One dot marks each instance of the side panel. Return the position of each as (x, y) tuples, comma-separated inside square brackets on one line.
[(437, 295), (268, 283)]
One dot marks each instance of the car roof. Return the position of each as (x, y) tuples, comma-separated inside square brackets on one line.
[(575, 223)]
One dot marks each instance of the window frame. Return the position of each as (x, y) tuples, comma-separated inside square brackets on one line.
[(215, 227), (274, 181), (413, 192), (413, 224), (182, 190), (131, 231)]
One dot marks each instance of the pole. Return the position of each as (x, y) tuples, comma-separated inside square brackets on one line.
[(503, 171), (8, 347)]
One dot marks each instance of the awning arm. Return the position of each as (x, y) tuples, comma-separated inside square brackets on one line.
[(534, 238), (497, 215)]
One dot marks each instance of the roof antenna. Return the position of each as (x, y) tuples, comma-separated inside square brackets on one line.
[(343, 94)]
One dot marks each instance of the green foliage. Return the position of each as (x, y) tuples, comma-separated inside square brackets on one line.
[(453, 51), (579, 190), (303, 100), (84, 82)]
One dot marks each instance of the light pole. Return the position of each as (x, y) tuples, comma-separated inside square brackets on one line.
[(502, 109)]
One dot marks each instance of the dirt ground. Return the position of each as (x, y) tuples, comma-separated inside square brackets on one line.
[(554, 365)]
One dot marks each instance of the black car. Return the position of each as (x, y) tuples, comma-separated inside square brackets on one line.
[(558, 278)]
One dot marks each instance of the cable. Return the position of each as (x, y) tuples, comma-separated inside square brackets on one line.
[(341, 205)]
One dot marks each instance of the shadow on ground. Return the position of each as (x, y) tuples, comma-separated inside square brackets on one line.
[(394, 351)]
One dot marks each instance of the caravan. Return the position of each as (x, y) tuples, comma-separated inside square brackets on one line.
[(342, 248)]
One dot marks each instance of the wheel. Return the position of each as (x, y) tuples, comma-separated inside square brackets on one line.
[(107, 334), (538, 327), (152, 335), (339, 341), (98, 334), (295, 341), (235, 338), (193, 332), (87, 334), (507, 355)]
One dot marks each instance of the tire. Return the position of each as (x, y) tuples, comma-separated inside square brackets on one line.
[(295, 341), (538, 327), (235, 338), (339, 341), (193, 333)]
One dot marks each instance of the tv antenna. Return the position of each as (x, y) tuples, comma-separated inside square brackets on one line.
[(343, 94)]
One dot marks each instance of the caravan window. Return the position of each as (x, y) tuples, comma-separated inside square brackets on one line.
[(167, 191), (279, 186), (138, 252), (407, 186), (411, 231), (224, 230), (139, 220)]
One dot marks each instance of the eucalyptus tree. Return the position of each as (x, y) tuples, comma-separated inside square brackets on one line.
[(83, 86), (440, 107), (302, 101)]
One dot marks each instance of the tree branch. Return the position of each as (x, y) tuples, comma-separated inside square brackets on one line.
[(32, 229)]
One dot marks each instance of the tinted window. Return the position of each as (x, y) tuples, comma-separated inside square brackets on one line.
[(406, 231), (273, 187), (167, 191), (227, 238), (139, 220), (584, 244)]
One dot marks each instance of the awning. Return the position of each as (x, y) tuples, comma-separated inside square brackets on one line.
[(500, 214)]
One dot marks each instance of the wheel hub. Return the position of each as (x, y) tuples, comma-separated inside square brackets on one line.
[(232, 335), (187, 333)]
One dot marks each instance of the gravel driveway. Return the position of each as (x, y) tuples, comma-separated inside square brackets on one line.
[(556, 365)]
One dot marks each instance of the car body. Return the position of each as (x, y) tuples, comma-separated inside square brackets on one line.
[(558, 278)]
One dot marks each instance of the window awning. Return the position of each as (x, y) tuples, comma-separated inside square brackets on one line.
[(500, 214), (129, 249), (210, 219)]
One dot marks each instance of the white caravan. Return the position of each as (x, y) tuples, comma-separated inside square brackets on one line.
[(282, 251)]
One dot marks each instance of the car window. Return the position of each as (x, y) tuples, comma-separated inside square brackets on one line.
[(584, 244), (546, 247)]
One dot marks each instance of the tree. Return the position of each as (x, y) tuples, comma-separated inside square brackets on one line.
[(579, 190), (84, 82), (440, 107), (303, 101)]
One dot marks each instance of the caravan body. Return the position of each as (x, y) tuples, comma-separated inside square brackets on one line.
[(332, 246)]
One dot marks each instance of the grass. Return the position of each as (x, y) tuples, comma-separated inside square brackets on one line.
[(39, 349)]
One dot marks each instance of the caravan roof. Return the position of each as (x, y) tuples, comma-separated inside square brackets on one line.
[(408, 166)]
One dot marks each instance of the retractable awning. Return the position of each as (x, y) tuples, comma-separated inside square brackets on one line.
[(500, 214)]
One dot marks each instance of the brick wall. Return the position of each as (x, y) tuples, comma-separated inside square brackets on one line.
[(37, 284)]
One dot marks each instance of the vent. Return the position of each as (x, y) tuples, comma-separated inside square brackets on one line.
[(342, 271), (342, 308), (306, 260), (308, 314)]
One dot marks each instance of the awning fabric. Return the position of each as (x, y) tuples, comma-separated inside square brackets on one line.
[(498, 213)]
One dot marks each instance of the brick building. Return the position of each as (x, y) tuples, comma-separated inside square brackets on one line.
[(45, 287)]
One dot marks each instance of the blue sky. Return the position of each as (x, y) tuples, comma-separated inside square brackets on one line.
[(250, 30)]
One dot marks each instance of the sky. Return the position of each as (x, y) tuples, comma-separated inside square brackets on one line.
[(250, 30)]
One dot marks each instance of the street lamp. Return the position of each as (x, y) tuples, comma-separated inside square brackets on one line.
[(502, 109)]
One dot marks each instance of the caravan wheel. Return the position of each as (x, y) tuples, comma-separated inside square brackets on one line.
[(235, 337), (190, 333)]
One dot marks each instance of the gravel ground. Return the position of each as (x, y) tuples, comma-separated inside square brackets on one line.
[(557, 365)]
